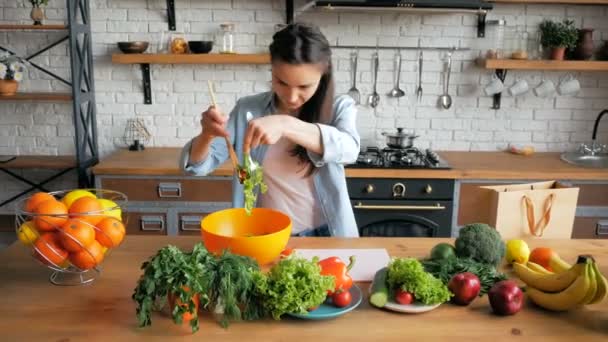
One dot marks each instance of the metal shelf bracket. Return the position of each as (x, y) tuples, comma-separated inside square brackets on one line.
[(289, 11), (171, 14), (501, 74), (481, 25), (145, 72)]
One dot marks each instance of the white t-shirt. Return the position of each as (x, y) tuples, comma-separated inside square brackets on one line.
[(289, 189)]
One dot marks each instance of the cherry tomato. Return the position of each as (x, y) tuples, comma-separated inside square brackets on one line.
[(341, 299), (403, 297), (286, 252)]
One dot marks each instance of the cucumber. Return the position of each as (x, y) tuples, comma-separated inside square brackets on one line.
[(379, 291)]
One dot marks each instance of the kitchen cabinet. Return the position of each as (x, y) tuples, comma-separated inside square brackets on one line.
[(168, 205), (591, 221)]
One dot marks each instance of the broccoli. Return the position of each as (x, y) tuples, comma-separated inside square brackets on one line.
[(480, 242)]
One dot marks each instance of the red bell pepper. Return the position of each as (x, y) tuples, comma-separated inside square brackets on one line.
[(335, 267)]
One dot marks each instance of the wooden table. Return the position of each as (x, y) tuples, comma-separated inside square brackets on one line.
[(34, 310)]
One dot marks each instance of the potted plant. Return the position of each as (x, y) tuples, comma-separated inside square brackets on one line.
[(558, 36), (174, 276), (37, 13), (11, 73)]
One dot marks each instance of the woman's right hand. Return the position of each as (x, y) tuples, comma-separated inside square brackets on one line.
[(213, 123)]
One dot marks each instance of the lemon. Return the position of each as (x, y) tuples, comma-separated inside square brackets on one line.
[(517, 251), (107, 204), (73, 195), (26, 233)]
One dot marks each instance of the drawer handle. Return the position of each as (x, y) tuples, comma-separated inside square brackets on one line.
[(437, 206), (172, 190), (601, 227), (190, 223), (152, 223)]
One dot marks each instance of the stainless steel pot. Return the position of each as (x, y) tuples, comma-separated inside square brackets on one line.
[(399, 139)]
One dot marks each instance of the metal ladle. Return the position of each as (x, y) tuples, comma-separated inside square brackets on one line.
[(353, 91), (374, 98), (396, 91), (446, 100)]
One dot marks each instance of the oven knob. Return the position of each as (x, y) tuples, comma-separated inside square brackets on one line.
[(399, 190), (369, 188), (428, 189)]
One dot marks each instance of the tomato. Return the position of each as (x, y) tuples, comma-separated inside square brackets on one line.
[(403, 297), (286, 252), (341, 299)]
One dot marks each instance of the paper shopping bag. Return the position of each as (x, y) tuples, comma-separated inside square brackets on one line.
[(543, 209)]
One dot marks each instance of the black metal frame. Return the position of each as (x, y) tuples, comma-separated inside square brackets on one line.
[(84, 110)]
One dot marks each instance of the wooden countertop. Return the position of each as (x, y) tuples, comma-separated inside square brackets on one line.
[(465, 165), (35, 310)]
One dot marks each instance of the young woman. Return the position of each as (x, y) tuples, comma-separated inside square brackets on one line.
[(299, 133)]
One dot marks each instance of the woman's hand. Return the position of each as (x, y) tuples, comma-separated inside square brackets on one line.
[(266, 130), (213, 123)]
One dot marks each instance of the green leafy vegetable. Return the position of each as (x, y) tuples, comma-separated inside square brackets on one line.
[(252, 179), (445, 269), (294, 285), (232, 287), (172, 271), (480, 242), (409, 275)]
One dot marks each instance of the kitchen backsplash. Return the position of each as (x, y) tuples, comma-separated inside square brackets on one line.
[(179, 91)]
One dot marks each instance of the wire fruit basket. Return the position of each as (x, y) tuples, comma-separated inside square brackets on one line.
[(71, 231)]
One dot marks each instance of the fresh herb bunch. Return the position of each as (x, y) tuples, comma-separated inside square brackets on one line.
[(38, 3), (11, 67), (293, 285), (409, 275), (253, 179), (558, 34), (445, 269), (232, 287), (172, 271)]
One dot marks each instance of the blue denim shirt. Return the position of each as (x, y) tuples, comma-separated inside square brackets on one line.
[(341, 145)]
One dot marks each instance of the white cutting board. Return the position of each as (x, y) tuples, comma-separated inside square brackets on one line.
[(367, 261)]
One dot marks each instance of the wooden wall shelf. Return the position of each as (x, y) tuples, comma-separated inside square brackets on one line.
[(563, 2), (38, 97), (211, 58), (11, 27), (513, 64), (145, 59)]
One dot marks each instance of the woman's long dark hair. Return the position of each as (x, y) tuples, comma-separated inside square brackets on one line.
[(305, 44)]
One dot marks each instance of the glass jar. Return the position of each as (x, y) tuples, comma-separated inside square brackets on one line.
[(496, 38), (227, 38), (520, 50)]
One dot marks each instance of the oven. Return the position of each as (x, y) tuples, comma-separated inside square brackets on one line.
[(402, 207)]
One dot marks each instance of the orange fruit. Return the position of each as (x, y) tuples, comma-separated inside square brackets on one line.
[(542, 256), (49, 250), (76, 234), (51, 215), (110, 232), (87, 209), (89, 257), (35, 199)]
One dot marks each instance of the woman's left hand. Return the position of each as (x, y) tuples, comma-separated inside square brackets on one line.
[(266, 130)]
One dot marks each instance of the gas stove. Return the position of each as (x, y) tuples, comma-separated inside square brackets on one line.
[(394, 158)]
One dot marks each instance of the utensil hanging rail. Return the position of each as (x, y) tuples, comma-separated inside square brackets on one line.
[(373, 47)]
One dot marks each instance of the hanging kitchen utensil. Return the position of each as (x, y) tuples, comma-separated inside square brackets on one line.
[(419, 89), (396, 91), (353, 91), (374, 98), (446, 100)]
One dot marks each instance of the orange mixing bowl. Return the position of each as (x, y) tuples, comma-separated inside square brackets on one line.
[(262, 236)]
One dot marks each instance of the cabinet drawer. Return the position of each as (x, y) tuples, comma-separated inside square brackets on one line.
[(590, 228), (189, 223), (592, 194), (148, 223), (166, 190)]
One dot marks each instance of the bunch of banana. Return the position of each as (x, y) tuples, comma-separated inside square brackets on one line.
[(569, 287)]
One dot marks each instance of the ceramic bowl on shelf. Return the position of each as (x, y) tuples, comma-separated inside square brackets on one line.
[(71, 231), (133, 47), (261, 235), (200, 46)]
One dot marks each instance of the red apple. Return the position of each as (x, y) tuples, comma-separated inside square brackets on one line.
[(465, 287), (506, 298)]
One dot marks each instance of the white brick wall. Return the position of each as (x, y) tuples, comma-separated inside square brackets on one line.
[(179, 91)]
